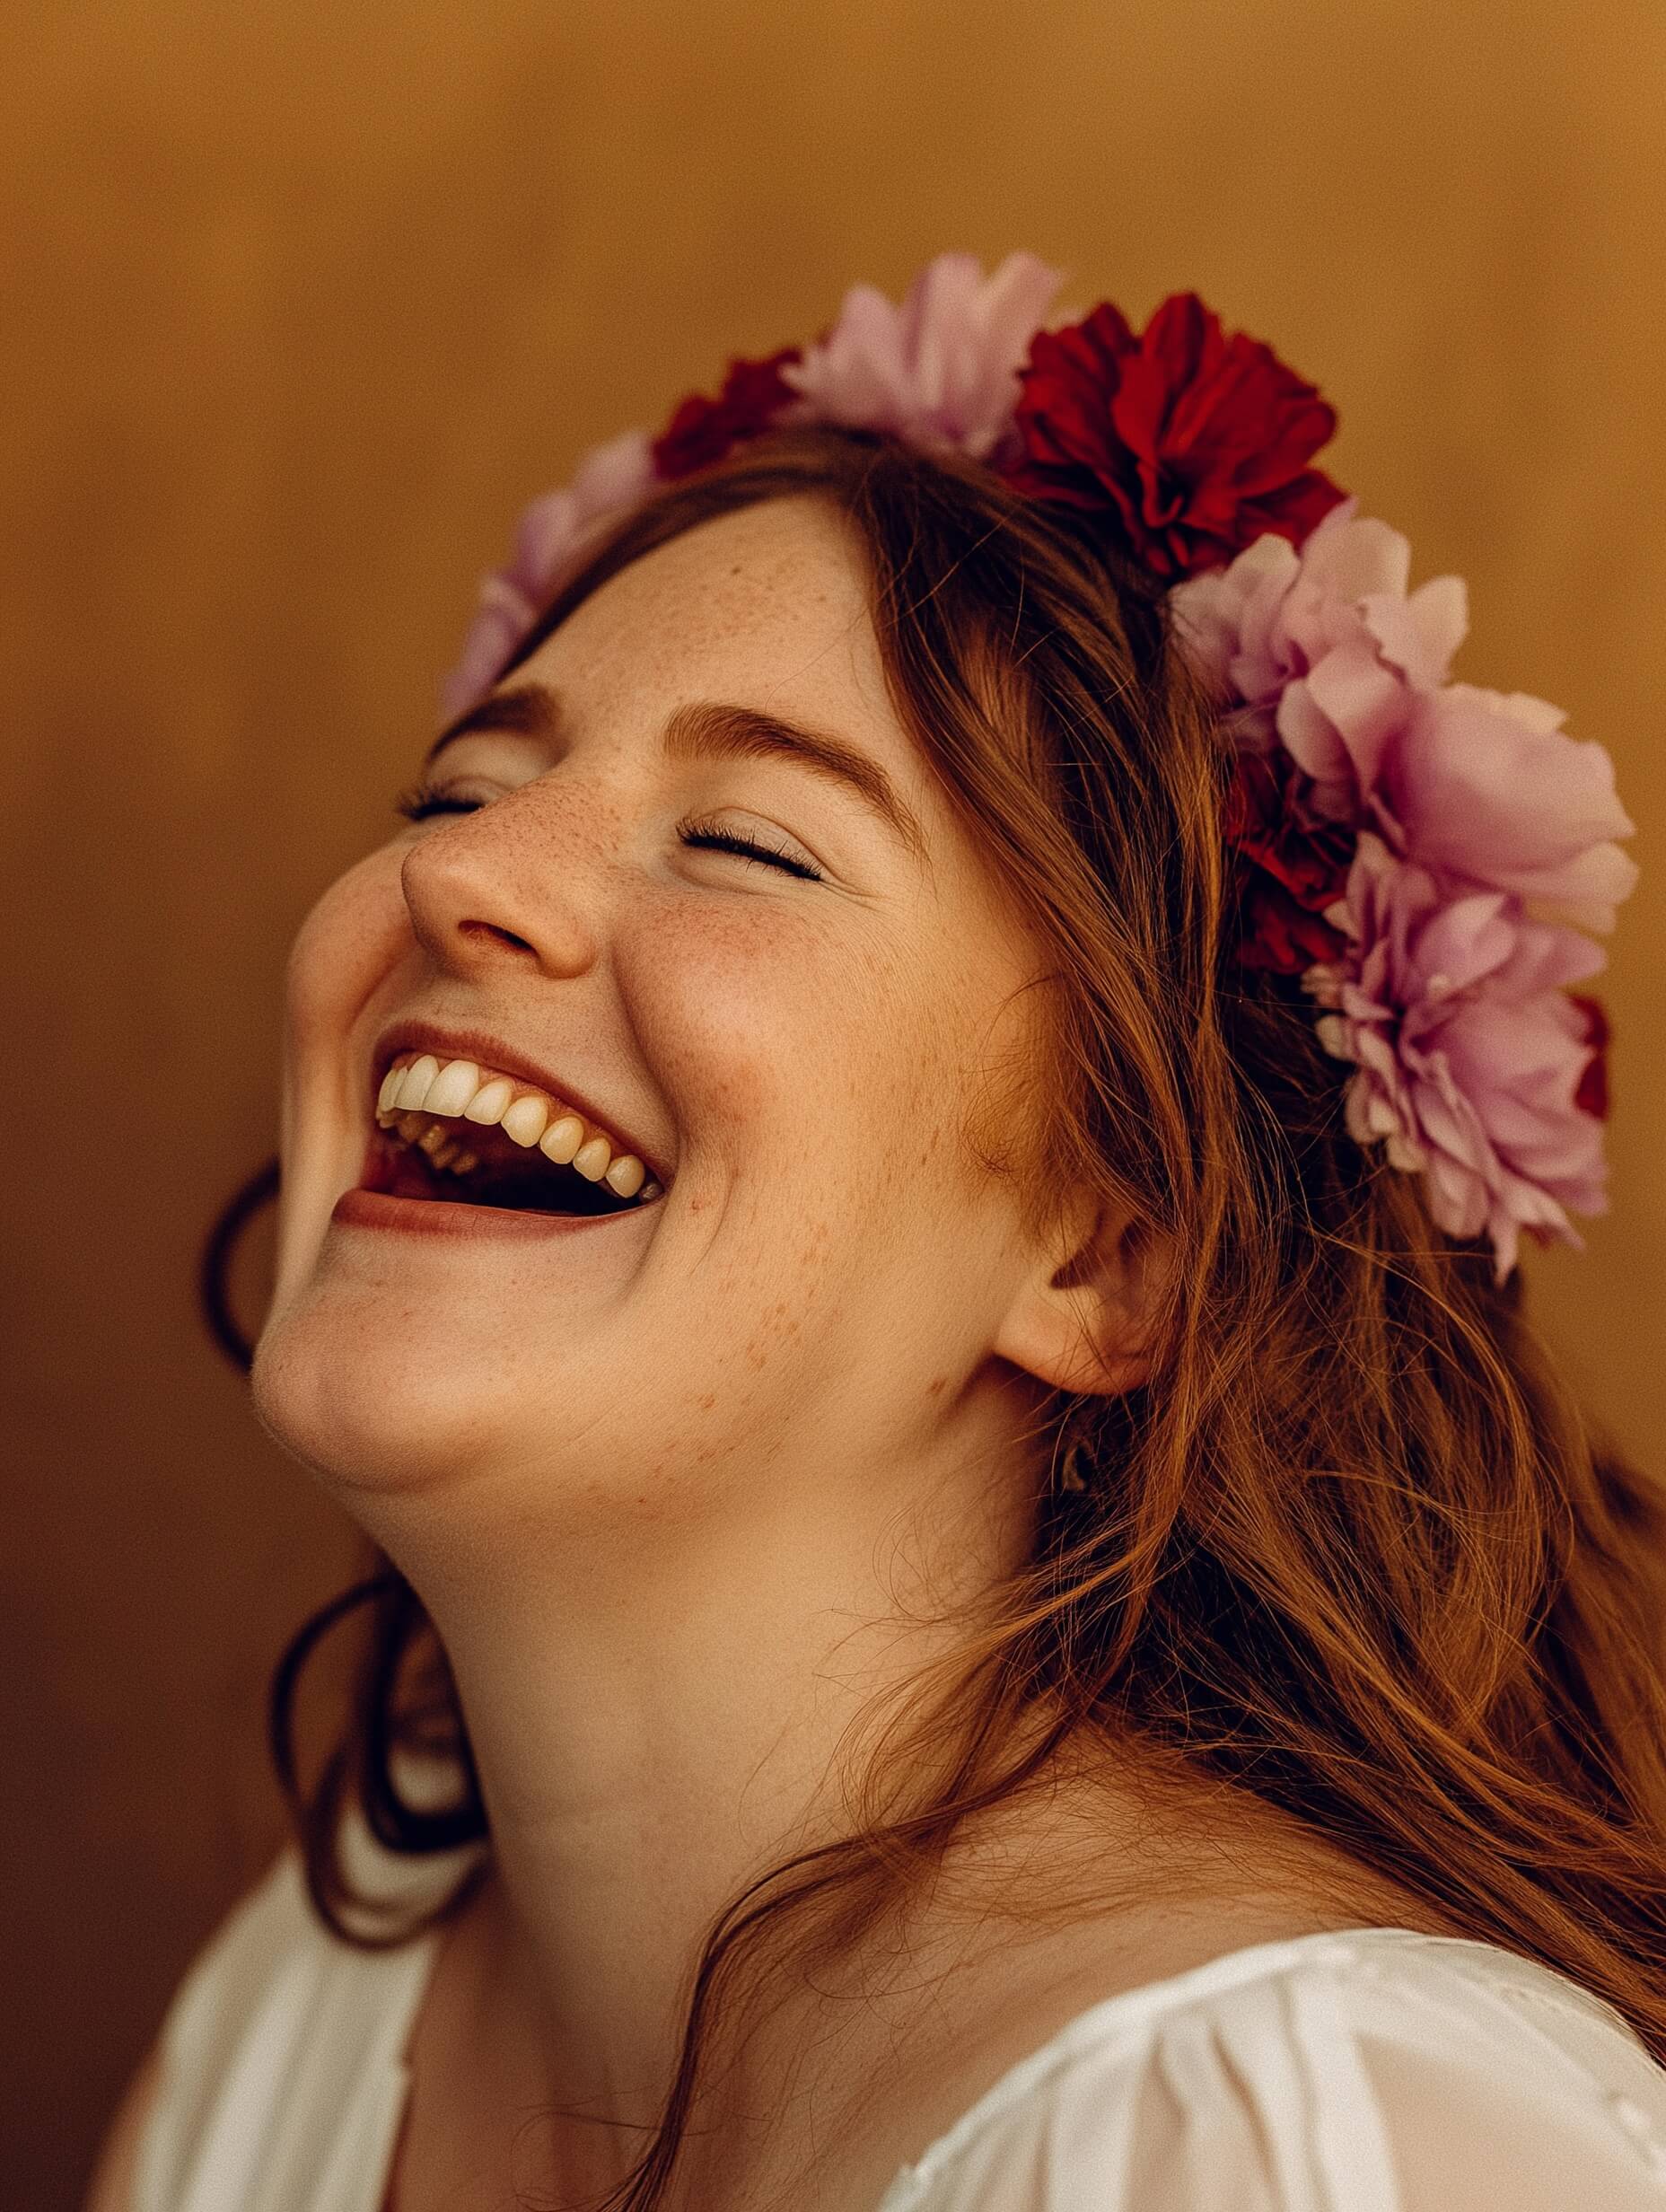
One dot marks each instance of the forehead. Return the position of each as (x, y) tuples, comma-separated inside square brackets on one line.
[(768, 606)]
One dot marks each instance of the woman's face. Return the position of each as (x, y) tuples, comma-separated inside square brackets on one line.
[(796, 1054)]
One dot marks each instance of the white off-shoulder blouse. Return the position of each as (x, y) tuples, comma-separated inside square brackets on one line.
[(1377, 2070)]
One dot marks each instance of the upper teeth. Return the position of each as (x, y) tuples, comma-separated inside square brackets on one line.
[(418, 1085)]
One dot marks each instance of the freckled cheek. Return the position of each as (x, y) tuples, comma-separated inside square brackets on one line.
[(346, 942), (771, 1033)]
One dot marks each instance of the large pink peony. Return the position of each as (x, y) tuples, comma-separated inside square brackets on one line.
[(1470, 1055), (1484, 787), (939, 369), (1322, 650)]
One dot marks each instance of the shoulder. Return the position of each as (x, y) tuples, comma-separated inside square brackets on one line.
[(214, 2013), (276, 2030), (234, 1962), (1375, 2071)]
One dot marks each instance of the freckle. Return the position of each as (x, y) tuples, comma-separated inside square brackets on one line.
[(707, 1402), (938, 1385)]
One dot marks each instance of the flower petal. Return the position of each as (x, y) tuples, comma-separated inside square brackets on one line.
[(941, 367), (1485, 790)]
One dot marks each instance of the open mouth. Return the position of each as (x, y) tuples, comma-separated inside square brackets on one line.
[(479, 1138)]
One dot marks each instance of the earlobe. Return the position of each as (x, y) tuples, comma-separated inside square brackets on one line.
[(1084, 1324)]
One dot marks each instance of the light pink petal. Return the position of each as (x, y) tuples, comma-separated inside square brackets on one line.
[(940, 368), (1460, 942), (1326, 640), (1225, 617), (553, 532), (1458, 1199), (553, 527), (501, 620), (1544, 957), (1469, 1051), (1485, 792), (1420, 635), (858, 376), (616, 473), (1315, 743), (1365, 703), (543, 537), (1347, 557)]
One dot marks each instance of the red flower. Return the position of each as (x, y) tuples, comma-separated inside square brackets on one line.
[(1286, 871), (703, 430), (1199, 441), (1592, 1094)]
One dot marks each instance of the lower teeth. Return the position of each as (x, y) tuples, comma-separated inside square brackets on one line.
[(426, 1152), (445, 1151)]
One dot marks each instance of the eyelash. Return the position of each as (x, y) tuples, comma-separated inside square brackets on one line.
[(422, 800)]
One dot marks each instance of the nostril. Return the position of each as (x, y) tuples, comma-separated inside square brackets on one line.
[(492, 930)]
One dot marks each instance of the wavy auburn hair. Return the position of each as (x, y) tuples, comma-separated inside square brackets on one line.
[(1350, 1548)]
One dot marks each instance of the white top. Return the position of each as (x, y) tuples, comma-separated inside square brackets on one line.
[(1373, 2071)]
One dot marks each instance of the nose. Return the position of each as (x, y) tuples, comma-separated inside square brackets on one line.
[(501, 886)]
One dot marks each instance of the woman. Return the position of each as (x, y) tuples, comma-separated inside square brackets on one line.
[(898, 1218)]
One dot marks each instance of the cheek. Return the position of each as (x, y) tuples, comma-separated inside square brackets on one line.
[(813, 1051), (347, 946), (342, 949)]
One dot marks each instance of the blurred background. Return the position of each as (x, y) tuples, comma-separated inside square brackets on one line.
[(301, 304)]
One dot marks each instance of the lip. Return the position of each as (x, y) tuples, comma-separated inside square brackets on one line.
[(379, 1209), (480, 1046)]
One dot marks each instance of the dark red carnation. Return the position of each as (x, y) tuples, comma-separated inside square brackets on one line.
[(1198, 443), (1592, 1094), (1286, 870), (703, 430)]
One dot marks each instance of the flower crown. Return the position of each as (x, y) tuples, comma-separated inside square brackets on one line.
[(1386, 828)]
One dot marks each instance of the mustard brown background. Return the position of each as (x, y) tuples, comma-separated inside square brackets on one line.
[(303, 302)]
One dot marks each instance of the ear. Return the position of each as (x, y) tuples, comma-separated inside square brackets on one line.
[(1083, 1316)]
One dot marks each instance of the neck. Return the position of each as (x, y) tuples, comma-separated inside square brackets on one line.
[(657, 1722)]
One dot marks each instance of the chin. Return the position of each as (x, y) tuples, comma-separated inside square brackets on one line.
[(370, 1410)]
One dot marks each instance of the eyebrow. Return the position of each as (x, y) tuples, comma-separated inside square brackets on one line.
[(714, 730)]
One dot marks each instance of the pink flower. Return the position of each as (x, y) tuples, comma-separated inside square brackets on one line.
[(1470, 1056), (1323, 647), (503, 616), (1324, 652), (552, 532), (1483, 787), (940, 368)]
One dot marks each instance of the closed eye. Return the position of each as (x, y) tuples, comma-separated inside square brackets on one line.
[(701, 836), (420, 802)]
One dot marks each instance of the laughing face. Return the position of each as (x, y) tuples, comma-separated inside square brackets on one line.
[(626, 1088)]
